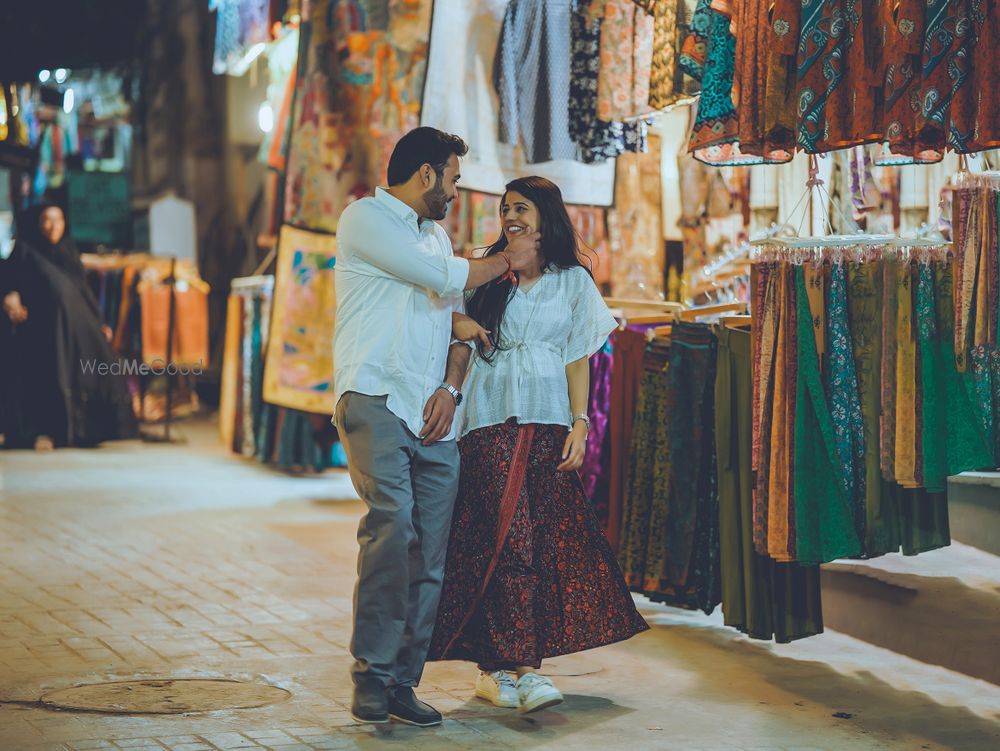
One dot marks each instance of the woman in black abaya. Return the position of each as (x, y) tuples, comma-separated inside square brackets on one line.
[(52, 342)]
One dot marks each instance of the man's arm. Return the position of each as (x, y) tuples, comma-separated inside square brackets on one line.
[(398, 253), (483, 270), (440, 410), (459, 355)]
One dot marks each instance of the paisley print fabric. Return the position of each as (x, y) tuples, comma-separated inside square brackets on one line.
[(843, 395), (822, 75), (546, 585)]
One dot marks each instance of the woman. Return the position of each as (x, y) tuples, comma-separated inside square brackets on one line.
[(529, 573), (51, 342)]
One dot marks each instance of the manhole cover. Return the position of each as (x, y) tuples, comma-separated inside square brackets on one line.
[(172, 696)]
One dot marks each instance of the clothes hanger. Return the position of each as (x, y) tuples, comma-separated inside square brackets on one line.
[(736, 322), (693, 314)]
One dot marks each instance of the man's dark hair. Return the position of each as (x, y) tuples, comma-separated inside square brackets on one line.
[(423, 146)]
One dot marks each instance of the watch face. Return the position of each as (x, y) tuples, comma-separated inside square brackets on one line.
[(458, 398)]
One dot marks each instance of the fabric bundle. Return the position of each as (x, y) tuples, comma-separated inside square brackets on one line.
[(687, 528), (860, 411), (285, 438), (822, 75)]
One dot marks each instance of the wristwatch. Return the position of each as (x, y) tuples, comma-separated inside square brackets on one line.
[(583, 417), (455, 393)]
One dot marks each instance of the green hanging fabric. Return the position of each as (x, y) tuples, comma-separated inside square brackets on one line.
[(935, 352), (824, 518), (864, 281), (967, 447)]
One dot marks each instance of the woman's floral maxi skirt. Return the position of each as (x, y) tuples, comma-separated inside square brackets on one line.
[(529, 574)]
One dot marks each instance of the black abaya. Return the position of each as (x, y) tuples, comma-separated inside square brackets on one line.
[(50, 384)]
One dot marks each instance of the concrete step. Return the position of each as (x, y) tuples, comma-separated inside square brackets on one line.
[(941, 607), (974, 509)]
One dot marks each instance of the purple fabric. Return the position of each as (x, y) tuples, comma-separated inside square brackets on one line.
[(600, 401)]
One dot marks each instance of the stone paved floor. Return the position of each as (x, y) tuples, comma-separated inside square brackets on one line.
[(181, 561)]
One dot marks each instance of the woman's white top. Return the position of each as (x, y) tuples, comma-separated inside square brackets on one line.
[(559, 320)]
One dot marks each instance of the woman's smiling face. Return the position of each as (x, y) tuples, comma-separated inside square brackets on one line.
[(518, 215)]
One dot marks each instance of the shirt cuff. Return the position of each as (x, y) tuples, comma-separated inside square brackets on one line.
[(458, 275)]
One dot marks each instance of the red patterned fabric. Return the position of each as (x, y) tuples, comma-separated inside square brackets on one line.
[(552, 586)]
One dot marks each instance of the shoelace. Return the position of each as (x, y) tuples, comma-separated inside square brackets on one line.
[(503, 679), (530, 680)]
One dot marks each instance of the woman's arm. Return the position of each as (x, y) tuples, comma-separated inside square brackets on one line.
[(578, 378)]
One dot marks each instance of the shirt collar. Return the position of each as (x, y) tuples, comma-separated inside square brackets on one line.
[(397, 207)]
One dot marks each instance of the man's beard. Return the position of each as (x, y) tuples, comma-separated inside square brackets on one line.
[(437, 202)]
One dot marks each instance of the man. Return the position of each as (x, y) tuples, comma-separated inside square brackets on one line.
[(397, 385)]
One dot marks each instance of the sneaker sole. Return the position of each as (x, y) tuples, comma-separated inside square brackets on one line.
[(497, 702), (539, 704), (369, 722), (415, 724)]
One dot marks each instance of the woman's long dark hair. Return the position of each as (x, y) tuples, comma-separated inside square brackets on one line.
[(559, 245)]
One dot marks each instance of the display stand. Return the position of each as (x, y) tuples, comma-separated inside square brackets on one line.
[(148, 437)]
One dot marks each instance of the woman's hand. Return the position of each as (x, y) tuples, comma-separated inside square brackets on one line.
[(575, 448), (14, 308), (109, 334), (466, 329)]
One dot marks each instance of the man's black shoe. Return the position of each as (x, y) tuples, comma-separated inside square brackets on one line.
[(404, 706), (370, 705)]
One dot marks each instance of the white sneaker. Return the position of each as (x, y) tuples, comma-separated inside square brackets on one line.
[(497, 688), (535, 692)]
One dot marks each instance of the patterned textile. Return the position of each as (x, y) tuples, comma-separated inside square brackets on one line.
[(454, 101), (597, 140), (864, 284), (780, 487), (715, 135), (824, 520), (691, 544), (780, 105), (824, 38), (359, 91), (529, 574), (626, 374), (666, 86), (823, 75), (669, 543), (626, 57), (968, 447), (648, 469), (765, 337), (950, 34), (532, 78), (906, 381), (594, 469), (299, 367), (760, 597), (877, 430), (889, 336), (843, 395), (902, 25)]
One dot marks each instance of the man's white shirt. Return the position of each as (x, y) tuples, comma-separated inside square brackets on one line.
[(397, 286)]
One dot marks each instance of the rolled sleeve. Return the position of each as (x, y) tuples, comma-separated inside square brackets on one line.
[(387, 244), (458, 277)]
